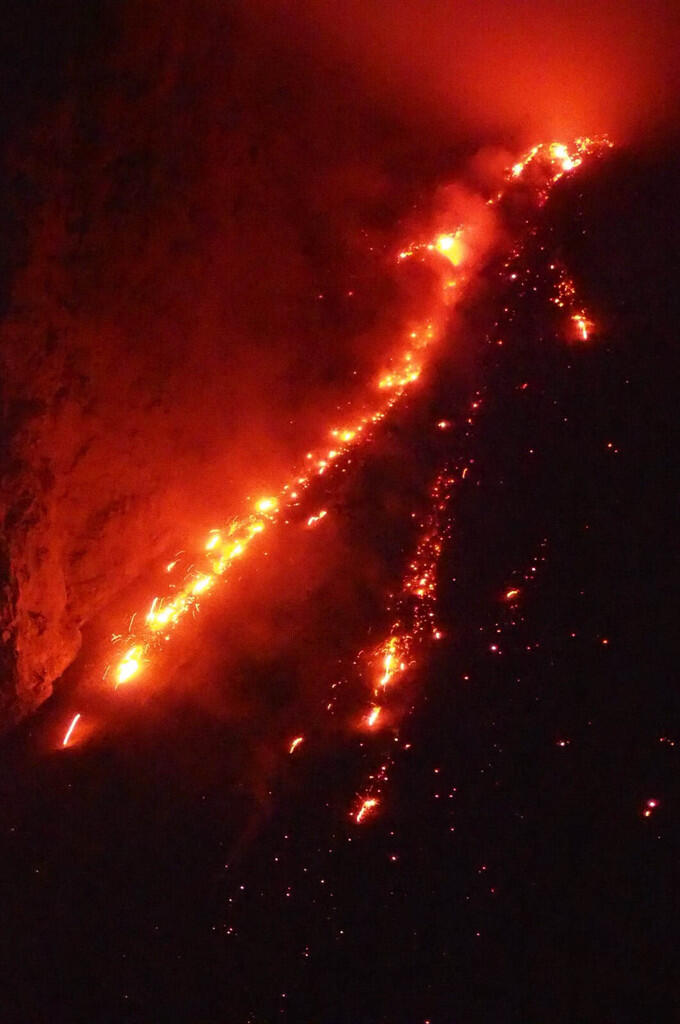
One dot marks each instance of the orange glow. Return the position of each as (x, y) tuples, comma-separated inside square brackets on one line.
[(367, 806), (69, 731)]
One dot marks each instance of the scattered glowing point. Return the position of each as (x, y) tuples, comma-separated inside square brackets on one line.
[(130, 664), (444, 424), (512, 593), (367, 805), (170, 566), (295, 744), (266, 505), (69, 731), (313, 520), (373, 716), (650, 806), (213, 540)]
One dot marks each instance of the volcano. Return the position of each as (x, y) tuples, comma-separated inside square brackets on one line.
[(337, 553)]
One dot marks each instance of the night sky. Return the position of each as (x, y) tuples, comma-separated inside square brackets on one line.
[(179, 864)]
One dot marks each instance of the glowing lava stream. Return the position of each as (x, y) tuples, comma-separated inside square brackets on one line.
[(414, 624), (223, 547)]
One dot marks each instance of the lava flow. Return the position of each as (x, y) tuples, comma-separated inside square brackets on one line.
[(191, 580)]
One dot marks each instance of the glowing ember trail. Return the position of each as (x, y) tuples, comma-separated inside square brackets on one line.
[(583, 325), (367, 806), (69, 731), (373, 716), (295, 744), (447, 252)]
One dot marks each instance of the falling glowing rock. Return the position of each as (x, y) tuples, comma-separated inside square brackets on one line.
[(266, 505), (313, 520), (295, 744), (451, 247), (130, 664), (583, 325), (69, 731), (202, 584), (367, 806), (373, 716)]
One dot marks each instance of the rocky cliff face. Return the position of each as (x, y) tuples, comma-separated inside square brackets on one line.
[(174, 211)]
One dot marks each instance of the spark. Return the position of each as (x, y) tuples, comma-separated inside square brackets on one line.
[(512, 593), (295, 744), (69, 731)]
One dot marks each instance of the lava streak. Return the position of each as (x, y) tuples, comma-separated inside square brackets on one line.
[(190, 579)]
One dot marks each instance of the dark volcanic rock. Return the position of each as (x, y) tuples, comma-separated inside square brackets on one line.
[(179, 194)]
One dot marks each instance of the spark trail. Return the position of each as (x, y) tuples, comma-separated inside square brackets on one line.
[(192, 579)]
